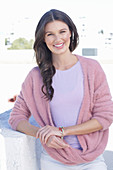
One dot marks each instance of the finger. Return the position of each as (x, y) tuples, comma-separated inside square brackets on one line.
[(61, 143), (54, 145), (45, 135), (59, 146), (40, 132), (50, 133), (57, 142), (37, 133)]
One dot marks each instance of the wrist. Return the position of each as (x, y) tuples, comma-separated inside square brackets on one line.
[(61, 129), (36, 130), (66, 131)]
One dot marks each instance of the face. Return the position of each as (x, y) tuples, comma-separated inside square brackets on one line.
[(57, 37)]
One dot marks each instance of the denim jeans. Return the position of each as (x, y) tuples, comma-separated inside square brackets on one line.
[(48, 163)]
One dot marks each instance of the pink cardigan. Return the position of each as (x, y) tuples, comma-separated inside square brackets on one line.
[(96, 104)]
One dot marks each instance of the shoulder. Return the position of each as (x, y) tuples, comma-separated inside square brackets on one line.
[(93, 70), (90, 64), (34, 72), (87, 60), (33, 75)]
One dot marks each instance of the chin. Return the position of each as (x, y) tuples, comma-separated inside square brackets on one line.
[(61, 51)]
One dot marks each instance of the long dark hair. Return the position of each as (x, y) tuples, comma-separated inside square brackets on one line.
[(43, 54)]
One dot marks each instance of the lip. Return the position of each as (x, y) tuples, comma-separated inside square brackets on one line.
[(59, 46)]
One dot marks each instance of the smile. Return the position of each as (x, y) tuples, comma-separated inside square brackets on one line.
[(59, 45)]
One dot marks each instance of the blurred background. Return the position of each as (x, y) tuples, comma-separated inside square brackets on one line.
[(18, 20)]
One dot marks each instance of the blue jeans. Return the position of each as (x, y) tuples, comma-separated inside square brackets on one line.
[(48, 163)]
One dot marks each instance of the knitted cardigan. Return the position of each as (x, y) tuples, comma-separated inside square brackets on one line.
[(97, 104)]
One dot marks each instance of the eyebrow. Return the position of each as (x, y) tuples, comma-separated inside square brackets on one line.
[(59, 30)]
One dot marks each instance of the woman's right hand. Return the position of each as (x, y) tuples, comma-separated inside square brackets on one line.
[(56, 142)]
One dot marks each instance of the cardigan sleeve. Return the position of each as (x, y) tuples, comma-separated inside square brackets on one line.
[(20, 110), (103, 104)]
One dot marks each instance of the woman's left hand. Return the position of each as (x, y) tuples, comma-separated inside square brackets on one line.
[(56, 142), (45, 132)]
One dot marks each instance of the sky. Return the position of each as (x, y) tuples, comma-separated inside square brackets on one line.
[(22, 16)]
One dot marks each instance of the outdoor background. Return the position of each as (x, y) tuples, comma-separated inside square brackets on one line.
[(18, 21)]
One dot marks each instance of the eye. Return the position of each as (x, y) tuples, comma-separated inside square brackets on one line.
[(62, 31), (49, 34)]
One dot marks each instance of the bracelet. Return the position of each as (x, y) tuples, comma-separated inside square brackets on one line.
[(62, 131)]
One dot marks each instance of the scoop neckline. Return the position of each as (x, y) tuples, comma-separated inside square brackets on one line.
[(57, 70)]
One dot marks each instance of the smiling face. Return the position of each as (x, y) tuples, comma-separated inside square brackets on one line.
[(57, 37)]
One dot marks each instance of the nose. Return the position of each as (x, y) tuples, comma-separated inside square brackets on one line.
[(57, 37)]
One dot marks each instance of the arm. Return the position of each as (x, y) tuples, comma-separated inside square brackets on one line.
[(87, 127), (25, 127), (54, 142)]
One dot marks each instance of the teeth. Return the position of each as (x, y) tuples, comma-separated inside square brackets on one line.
[(59, 45)]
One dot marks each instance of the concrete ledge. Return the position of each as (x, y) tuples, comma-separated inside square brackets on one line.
[(17, 150)]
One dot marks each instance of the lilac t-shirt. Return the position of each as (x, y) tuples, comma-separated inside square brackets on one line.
[(67, 99)]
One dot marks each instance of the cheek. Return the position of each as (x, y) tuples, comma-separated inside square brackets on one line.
[(67, 37), (48, 41)]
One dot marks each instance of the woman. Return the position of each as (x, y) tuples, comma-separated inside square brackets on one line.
[(69, 97)]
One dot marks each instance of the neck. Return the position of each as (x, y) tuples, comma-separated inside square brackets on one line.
[(65, 61)]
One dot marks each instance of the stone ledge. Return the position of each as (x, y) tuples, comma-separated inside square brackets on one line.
[(17, 150)]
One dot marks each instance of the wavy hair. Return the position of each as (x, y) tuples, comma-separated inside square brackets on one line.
[(44, 55)]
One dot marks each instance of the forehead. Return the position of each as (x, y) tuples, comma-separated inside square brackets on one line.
[(51, 26)]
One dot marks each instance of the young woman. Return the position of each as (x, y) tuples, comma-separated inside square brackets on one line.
[(68, 96)]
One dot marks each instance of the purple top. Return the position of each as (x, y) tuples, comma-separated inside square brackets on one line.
[(67, 99)]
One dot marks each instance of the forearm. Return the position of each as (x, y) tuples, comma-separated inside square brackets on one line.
[(87, 127), (53, 142), (25, 127)]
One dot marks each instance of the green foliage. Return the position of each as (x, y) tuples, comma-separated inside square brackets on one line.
[(21, 43), (7, 41)]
